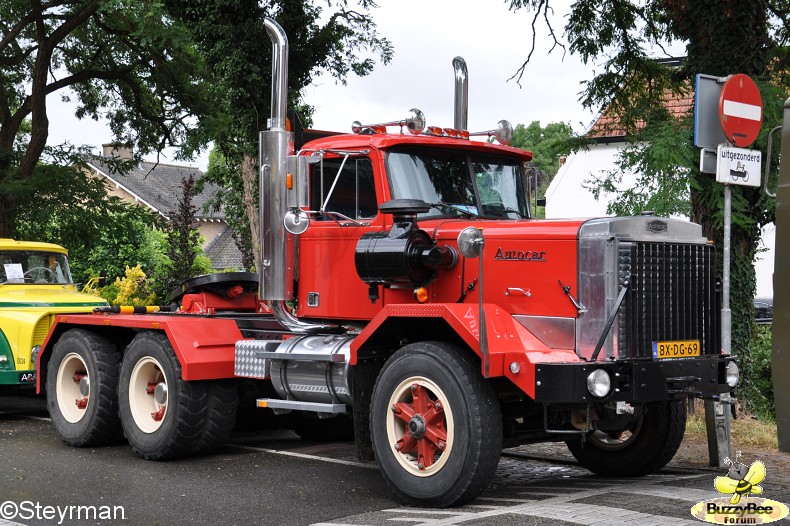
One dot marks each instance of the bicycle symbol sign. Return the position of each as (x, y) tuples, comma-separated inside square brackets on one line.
[(738, 166)]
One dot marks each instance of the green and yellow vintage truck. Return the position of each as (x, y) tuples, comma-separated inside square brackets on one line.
[(35, 286)]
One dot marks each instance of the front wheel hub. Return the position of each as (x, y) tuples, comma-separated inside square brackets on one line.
[(417, 427)]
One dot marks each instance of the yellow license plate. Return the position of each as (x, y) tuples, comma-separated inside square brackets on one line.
[(676, 349)]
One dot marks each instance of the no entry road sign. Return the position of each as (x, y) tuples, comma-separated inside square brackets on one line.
[(740, 110)]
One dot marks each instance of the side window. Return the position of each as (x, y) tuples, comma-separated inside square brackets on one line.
[(354, 192)]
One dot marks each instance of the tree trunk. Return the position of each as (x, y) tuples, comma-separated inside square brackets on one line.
[(249, 177)]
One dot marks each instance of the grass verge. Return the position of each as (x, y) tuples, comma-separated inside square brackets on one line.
[(746, 431)]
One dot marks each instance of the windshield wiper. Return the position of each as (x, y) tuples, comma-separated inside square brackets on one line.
[(441, 204), (519, 214)]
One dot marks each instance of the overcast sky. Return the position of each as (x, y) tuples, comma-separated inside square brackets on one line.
[(426, 35)]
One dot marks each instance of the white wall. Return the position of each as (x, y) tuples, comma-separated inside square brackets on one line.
[(566, 197)]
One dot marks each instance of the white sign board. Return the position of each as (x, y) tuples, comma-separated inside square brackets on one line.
[(738, 166), (14, 273)]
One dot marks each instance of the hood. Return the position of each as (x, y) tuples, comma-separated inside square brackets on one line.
[(46, 296)]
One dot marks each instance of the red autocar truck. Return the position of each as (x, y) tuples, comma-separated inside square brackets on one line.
[(407, 293)]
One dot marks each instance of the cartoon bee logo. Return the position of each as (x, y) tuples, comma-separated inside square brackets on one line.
[(741, 480)]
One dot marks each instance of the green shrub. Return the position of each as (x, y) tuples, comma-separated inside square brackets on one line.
[(756, 391)]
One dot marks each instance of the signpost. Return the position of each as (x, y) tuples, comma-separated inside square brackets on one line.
[(740, 114)]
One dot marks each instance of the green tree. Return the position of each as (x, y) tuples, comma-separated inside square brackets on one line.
[(183, 242), (170, 73), (126, 61), (547, 144), (721, 37), (230, 35), (102, 233)]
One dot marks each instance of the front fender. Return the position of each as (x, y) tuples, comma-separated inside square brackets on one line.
[(508, 341)]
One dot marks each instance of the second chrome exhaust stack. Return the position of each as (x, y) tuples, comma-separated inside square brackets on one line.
[(461, 107)]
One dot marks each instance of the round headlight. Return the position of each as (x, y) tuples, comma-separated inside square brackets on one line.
[(599, 383), (733, 374)]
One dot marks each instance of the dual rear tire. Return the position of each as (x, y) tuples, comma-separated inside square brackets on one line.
[(94, 393)]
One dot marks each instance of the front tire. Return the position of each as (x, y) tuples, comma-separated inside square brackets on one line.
[(82, 379), (436, 425), (644, 448), (163, 416)]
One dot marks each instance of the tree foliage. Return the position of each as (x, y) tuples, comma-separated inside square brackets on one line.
[(126, 61), (183, 243), (164, 73), (102, 233), (547, 143), (620, 38), (230, 35)]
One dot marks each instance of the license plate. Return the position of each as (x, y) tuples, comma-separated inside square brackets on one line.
[(676, 349), (27, 377)]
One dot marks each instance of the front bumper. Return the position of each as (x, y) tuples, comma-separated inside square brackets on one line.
[(633, 381)]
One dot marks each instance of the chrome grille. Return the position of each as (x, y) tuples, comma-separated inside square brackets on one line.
[(672, 296)]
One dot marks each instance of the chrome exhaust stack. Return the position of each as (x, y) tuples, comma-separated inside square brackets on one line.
[(276, 276), (461, 108)]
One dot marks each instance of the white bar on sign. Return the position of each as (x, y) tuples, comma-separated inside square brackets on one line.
[(741, 110)]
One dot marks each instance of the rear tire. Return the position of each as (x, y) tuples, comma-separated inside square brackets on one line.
[(436, 425), (163, 416), (222, 403), (643, 449), (82, 380)]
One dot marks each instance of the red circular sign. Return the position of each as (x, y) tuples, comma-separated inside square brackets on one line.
[(740, 110)]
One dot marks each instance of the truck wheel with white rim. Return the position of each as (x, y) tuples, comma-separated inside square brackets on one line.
[(82, 382), (642, 448), (163, 416), (436, 425)]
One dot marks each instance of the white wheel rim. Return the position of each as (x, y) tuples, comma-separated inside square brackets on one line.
[(148, 410), (71, 402), (435, 420)]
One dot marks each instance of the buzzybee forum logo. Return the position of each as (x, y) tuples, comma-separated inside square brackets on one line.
[(739, 507)]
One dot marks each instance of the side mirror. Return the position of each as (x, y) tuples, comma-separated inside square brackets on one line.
[(296, 179)]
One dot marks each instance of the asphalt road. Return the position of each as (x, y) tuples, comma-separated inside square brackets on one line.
[(274, 478)]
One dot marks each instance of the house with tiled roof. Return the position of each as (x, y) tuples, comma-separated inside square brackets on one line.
[(158, 186), (567, 197)]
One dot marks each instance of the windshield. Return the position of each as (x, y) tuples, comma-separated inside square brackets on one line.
[(28, 266), (459, 183)]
